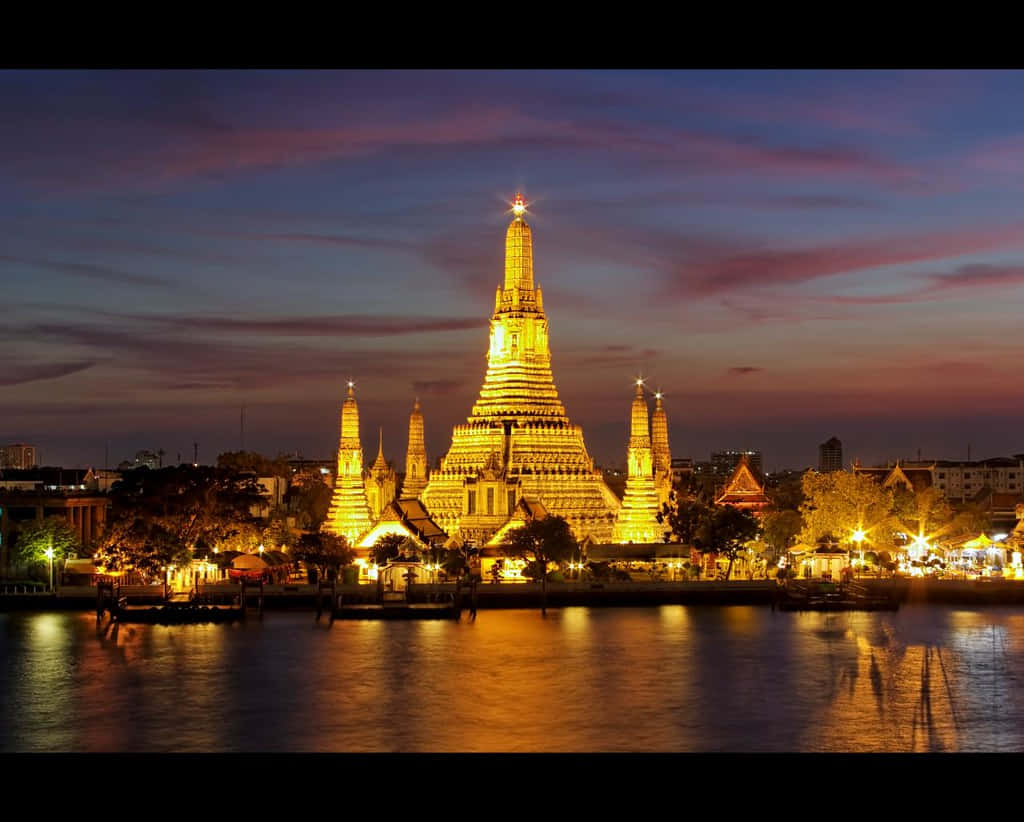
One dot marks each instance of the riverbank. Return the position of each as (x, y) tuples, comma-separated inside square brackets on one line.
[(529, 595)]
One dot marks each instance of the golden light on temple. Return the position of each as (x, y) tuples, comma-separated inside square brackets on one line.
[(637, 518), (518, 445)]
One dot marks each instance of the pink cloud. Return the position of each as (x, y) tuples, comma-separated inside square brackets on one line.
[(164, 155), (767, 267)]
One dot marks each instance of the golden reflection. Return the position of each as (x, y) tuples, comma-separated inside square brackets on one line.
[(878, 692), (673, 616)]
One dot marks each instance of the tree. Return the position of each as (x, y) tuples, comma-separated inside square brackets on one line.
[(195, 505), (726, 532), (839, 503), (786, 493), (683, 516), (695, 488), (543, 541), (249, 462), (159, 518), (324, 551), (780, 528), (924, 512), (972, 519), (36, 537), (309, 501), (386, 548), (135, 544)]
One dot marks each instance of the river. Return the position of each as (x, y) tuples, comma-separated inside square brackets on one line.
[(672, 678)]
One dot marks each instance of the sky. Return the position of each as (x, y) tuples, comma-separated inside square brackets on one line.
[(787, 255)]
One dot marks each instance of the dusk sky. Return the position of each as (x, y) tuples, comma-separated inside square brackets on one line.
[(788, 255)]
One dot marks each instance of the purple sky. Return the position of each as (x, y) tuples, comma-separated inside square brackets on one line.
[(789, 255)]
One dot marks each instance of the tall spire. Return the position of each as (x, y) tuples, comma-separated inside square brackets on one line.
[(380, 464), (659, 437), (640, 432), (349, 514), (518, 442), (518, 250), (350, 420), (636, 520), (660, 450), (415, 456)]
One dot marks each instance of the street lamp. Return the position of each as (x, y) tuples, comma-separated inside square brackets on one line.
[(49, 556)]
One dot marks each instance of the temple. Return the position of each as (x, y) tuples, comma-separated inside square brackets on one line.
[(415, 457), (380, 482), (660, 450), (518, 442), (637, 518), (349, 514), (744, 490)]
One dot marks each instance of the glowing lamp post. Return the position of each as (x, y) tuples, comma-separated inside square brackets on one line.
[(49, 556)]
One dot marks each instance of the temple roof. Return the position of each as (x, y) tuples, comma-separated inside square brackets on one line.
[(743, 486)]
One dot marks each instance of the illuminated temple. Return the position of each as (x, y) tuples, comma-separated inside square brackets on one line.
[(349, 514), (661, 453), (637, 518), (518, 444)]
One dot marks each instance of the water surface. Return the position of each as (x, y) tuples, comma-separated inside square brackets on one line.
[(673, 678)]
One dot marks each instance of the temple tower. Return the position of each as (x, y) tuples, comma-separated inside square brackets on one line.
[(349, 514), (518, 442), (636, 520), (662, 455), (380, 482), (415, 457)]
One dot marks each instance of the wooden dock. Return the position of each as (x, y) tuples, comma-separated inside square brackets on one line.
[(170, 609), (804, 596), (386, 605)]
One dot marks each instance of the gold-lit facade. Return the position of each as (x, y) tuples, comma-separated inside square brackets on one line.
[(349, 514), (518, 442), (637, 518), (660, 450), (380, 482), (415, 457)]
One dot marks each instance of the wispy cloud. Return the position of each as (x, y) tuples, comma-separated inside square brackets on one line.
[(766, 267), (89, 271), (15, 374), (744, 369)]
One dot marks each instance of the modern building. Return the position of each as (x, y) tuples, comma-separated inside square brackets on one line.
[(85, 511), (830, 456), (958, 481), (682, 467), (19, 455), (143, 459), (723, 463)]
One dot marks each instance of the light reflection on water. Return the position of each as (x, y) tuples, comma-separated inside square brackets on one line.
[(673, 678)]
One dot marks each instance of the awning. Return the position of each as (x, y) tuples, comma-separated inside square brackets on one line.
[(248, 562), (80, 567)]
